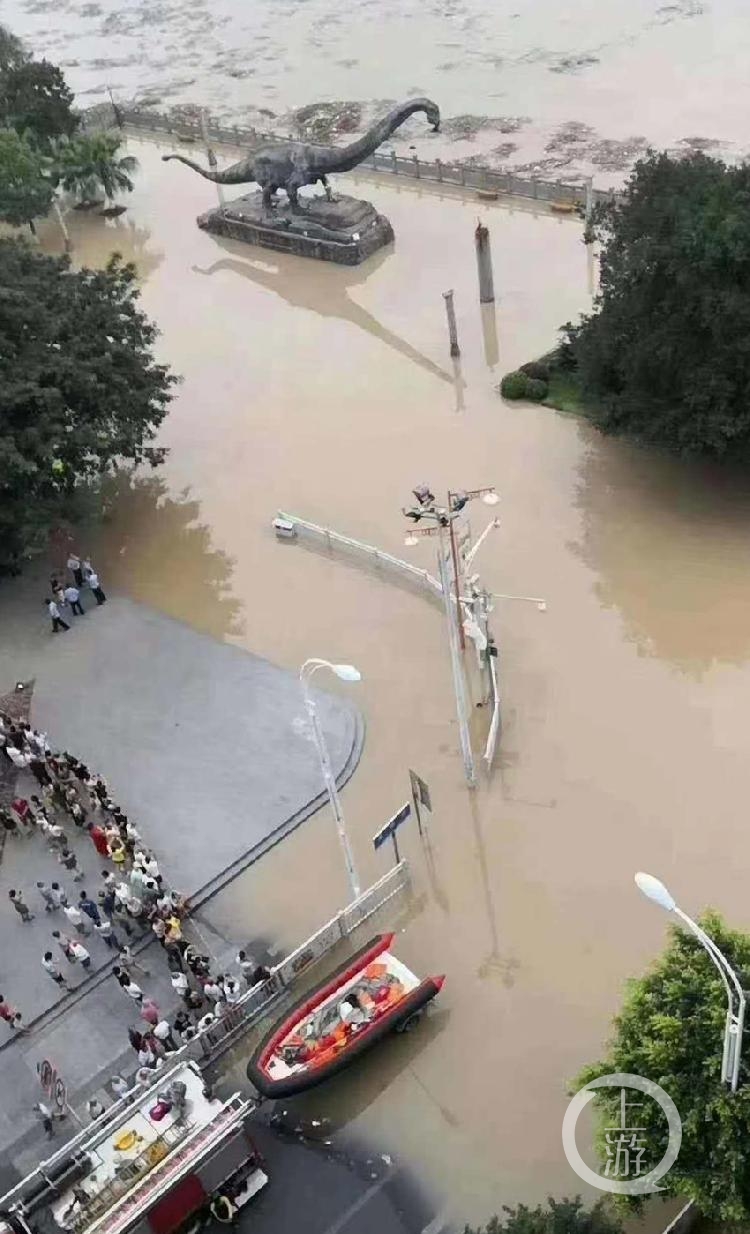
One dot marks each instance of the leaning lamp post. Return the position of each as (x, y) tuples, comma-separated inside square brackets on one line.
[(345, 672), (655, 890)]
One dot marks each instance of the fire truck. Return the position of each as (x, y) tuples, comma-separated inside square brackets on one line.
[(151, 1164)]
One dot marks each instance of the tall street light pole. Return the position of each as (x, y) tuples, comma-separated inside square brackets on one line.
[(346, 672), (655, 890), (440, 520)]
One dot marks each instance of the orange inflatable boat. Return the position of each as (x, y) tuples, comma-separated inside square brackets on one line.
[(369, 995)]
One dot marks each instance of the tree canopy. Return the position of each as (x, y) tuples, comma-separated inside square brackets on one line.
[(671, 1031), (35, 99), (80, 390), (89, 163), (25, 189), (665, 356), (554, 1217)]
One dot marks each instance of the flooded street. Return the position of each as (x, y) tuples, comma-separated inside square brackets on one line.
[(564, 89), (329, 392)]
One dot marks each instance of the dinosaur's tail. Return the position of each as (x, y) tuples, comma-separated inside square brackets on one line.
[(238, 173), (344, 158)]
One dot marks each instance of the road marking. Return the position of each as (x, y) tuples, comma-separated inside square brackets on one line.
[(358, 1205), (436, 1226)]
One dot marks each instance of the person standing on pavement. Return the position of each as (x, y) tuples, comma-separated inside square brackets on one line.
[(120, 1087), (53, 608), (74, 565), (92, 578), (162, 1032), (87, 906), (70, 861), (73, 598), (98, 839), (11, 1015), (105, 930), (20, 906), (65, 945), (59, 895), (77, 919), (49, 966), (49, 900), (44, 1114), (129, 962), (80, 954)]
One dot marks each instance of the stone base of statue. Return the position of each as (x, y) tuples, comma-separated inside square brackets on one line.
[(345, 230)]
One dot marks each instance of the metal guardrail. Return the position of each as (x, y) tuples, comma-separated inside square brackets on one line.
[(212, 1043), (376, 556), (464, 175)]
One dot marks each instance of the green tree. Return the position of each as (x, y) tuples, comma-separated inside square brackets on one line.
[(80, 390), (87, 164), (35, 99), (671, 1030), (12, 51), (665, 356), (556, 1217), (25, 190)]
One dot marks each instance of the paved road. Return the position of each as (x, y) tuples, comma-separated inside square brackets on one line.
[(335, 1189)]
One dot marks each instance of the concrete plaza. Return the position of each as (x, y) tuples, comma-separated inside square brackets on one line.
[(201, 744)]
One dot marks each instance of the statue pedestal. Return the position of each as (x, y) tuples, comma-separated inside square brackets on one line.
[(345, 231)]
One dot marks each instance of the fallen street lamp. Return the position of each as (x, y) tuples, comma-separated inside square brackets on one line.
[(345, 672), (655, 890)]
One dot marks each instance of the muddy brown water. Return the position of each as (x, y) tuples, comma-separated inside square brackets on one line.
[(329, 392), (591, 83)]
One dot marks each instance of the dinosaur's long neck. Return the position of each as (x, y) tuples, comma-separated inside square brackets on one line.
[(344, 158), (239, 173)]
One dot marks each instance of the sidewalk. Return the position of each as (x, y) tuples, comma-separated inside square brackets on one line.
[(197, 742)]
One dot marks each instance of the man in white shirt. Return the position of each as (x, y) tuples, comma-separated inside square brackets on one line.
[(54, 611), (73, 598), (93, 581), (77, 919)]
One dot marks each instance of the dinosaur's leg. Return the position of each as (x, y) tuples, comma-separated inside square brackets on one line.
[(327, 187), (268, 192)]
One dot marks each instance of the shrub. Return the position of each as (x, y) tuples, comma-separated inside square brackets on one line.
[(536, 369), (517, 384), (514, 384), (536, 390)]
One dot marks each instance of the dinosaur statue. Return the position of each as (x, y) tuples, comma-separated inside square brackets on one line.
[(291, 164)]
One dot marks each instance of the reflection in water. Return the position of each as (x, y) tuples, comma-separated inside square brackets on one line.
[(459, 383), (153, 546), (668, 540), (489, 334), (94, 240), (330, 299), (494, 964)]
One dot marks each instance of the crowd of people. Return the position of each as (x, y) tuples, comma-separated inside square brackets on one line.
[(131, 899), (66, 600)]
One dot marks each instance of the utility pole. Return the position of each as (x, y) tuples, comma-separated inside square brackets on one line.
[(212, 162), (459, 685), (452, 330), (484, 263)]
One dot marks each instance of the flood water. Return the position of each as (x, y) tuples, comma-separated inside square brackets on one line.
[(329, 392), (566, 88)]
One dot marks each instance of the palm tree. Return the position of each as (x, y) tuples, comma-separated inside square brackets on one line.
[(87, 164)]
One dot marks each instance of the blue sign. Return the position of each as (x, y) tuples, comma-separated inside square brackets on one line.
[(388, 832)]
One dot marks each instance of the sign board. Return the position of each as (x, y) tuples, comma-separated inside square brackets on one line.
[(388, 832), (420, 796)]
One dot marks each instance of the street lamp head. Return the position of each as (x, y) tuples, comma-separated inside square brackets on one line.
[(347, 672), (459, 500), (423, 495), (490, 498), (655, 890), (410, 539)]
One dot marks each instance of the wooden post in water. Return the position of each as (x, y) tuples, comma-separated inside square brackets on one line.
[(452, 330), (484, 263)]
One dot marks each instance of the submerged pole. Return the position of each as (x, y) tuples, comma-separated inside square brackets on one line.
[(452, 330), (484, 263)]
